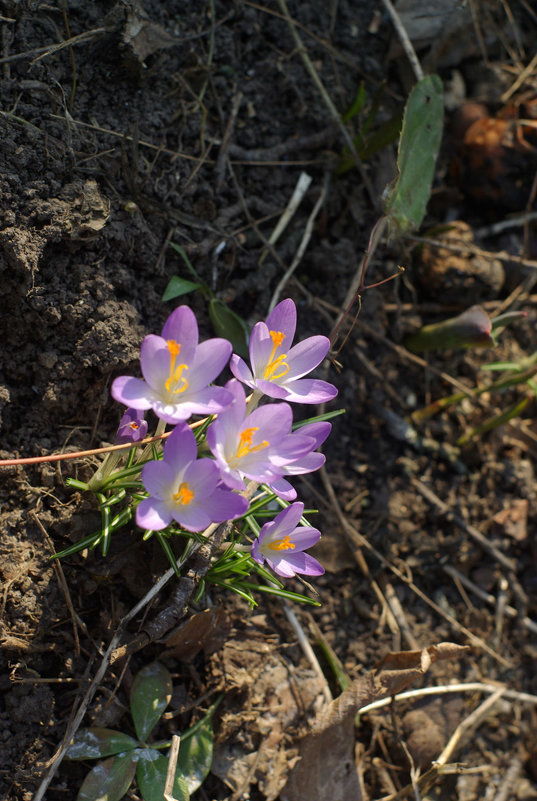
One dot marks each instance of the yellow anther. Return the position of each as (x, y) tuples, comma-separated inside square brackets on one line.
[(245, 443), (184, 494), (174, 347), (134, 426), (176, 382), (277, 337), (273, 363), (282, 545)]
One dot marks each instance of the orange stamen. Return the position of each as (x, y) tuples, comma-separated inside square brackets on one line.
[(184, 494), (273, 363), (245, 443), (176, 382), (282, 545)]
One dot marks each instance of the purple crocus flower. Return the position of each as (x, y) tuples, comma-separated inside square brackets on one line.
[(132, 427), (277, 368), (184, 488), (281, 543), (177, 372), (307, 463), (256, 445)]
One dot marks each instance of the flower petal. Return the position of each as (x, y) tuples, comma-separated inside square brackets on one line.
[(240, 370), (283, 489), (172, 413), (282, 524), (281, 566), (307, 390), (305, 464), (226, 505), (193, 518), (180, 449), (211, 400), (222, 433), (274, 422), (305, 356), (202, 477), (291, 448), (291, 564), (283, 318), (153, 514), (261, 346), (255, 551), (182, 327), (318, 431), (158, 479), (304, 537), (155, 362), (209, 360), (271, 389), (131, 392)]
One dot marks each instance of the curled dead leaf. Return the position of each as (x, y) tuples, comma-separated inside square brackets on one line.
[(326, 768), (205, 631)]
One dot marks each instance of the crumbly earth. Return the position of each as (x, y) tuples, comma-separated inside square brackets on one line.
[(189, 123)]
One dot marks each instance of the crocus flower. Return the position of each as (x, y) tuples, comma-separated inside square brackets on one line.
[(277, 368), (184, 488), (307, 463), (256, 445), (132, 427), (281, 543), (177, 372)]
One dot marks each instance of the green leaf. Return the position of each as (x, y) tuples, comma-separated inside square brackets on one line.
[(381, 137), (229, 325), (496, 421), (98, 742), (109, 780), (150, 695), (501, 366), (151, 773), (357, 104), (196, 755), (506, 319), (179, 286), (290, 596), (182, 252), (471, 329), (418, 148)]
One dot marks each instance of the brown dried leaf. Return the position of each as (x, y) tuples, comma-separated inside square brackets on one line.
[(205, 630), (406, 660), (513, 519), (142, 36), (326, 768)]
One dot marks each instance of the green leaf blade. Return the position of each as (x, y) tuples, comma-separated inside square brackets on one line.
[(196, 755), (108, 780), (150, 695), (151, 773), (229, 325), (421, 135), (178, 287), (98, 742)]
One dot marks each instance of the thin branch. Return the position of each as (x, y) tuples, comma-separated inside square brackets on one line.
[(404, 38)]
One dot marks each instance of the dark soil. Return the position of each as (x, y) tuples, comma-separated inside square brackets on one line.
[(190, 123)]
